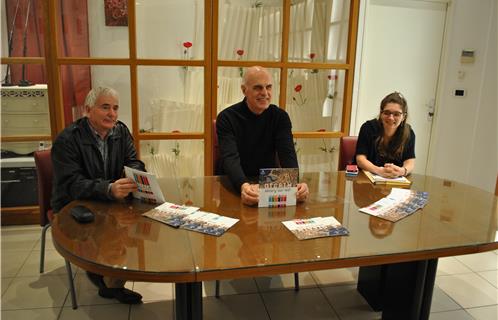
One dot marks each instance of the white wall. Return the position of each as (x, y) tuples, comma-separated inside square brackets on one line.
[(465, 137), (464, 144)]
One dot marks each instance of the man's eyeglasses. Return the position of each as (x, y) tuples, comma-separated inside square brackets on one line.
[(395, 114)]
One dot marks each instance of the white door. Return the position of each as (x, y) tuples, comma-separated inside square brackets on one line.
[(401, 51)]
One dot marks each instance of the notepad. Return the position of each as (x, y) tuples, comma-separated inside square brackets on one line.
[(376, 179)]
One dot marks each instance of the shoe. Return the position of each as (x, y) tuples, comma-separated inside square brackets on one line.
[(96, 279), (123, 295)]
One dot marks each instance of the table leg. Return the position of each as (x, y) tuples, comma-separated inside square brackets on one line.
[(188, 301), (371, 285), (408, 290)]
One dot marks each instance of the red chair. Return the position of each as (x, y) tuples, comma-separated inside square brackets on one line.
[(44, 171), (347, 151)]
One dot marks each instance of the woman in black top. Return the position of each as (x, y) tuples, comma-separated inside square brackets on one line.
[(386, 145)]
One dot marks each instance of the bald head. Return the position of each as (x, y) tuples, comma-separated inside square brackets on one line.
[(257, 88)]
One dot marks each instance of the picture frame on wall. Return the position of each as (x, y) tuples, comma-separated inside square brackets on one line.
[(116, 13)]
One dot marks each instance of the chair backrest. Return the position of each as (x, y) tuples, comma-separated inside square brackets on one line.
[(216, 149), (44, 171), (347, 151)]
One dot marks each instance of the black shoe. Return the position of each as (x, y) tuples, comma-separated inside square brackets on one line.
[(96, 279), (123, 295)]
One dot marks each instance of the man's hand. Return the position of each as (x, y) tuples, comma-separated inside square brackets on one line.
[(249, 193), (122, 187), (302, 191)]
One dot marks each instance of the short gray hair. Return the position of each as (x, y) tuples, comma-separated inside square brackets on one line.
[(95, 93)]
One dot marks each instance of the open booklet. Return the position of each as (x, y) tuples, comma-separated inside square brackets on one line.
[(399, 204), (278, 187), (191, 218), (148, 187), (316, 227), (376, 179)]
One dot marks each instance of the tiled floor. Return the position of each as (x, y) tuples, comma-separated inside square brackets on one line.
[(466, 288)]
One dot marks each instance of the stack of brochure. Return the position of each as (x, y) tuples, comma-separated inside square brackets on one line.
[(376, 179), (315, 227), (398, 204), (191, 218)]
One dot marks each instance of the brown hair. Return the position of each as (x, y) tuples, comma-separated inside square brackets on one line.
[(394, 149)]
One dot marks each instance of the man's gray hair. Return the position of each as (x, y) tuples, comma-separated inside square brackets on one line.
[(95, 93)]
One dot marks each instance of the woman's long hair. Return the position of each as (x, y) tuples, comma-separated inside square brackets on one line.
[(394, 149)]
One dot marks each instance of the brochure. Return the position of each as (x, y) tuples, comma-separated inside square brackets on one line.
[(278, 187), (399, 204), (148, 187), (376, 179), (191, 218), (316, 227)]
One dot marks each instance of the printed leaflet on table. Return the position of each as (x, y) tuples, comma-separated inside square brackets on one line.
[(148, 188), (278, 187), (399, 204), (191, 218), (315, 227)]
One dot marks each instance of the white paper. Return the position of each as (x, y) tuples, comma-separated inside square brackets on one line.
[(148, 187)]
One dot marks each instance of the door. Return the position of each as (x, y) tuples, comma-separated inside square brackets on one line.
[(402, 44)]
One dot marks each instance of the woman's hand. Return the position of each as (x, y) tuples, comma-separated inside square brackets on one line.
[(393, 171)]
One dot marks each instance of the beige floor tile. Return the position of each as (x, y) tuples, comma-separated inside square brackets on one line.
[(484, 261), (154, 291), (451, 315), (87, 293), (19, 239), (490, 276), (234, 307), (450, 265), (157, 310), (97, 312), (49, 245), (35, 292), (336, 276), (38, 314), (484, 313), (285, 282), (442, 302), (12, 261), (230, 286), (54, 264), (5, 284), (301, 305), (468, 290), (349, 304)]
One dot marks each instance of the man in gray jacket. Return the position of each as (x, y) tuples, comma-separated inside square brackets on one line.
[(88, 159)]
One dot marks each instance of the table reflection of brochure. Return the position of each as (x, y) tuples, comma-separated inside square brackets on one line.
[(278, 187), (399, 204), (148, 187), (316, 227)]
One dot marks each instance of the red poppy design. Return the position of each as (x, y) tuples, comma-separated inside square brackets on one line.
[(321, 130), (240, 52), (187, 44), (298, 88), (312, 55)]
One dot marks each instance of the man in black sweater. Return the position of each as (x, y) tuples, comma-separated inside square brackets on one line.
[(255, 134)]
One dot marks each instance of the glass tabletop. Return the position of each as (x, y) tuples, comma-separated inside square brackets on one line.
[(457, 219)]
